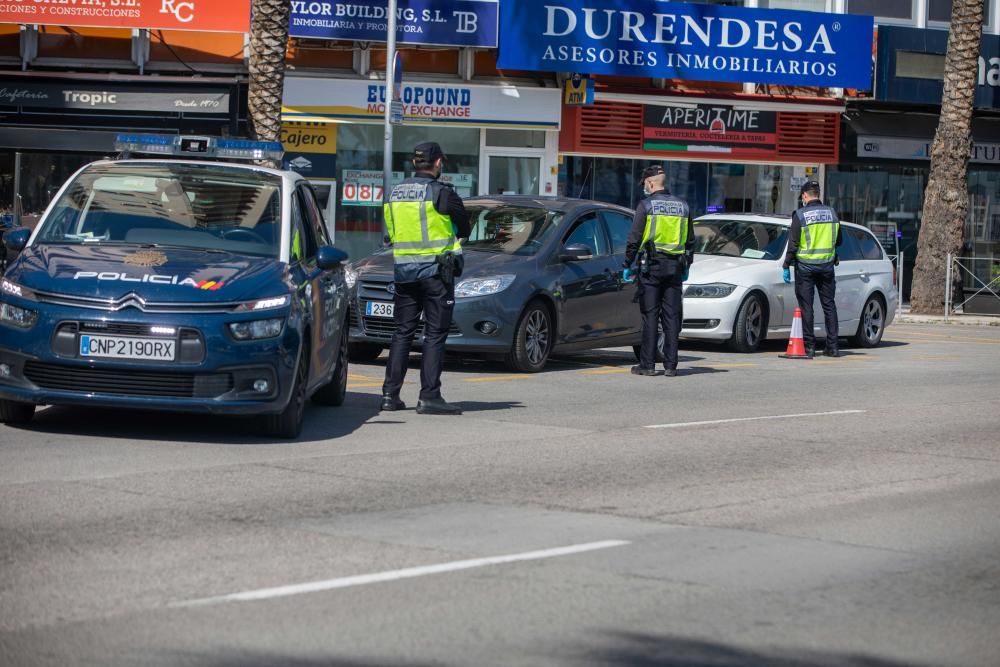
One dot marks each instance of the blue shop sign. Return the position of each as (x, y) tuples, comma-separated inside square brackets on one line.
[(674, 40), (428, 22), (911, 67)]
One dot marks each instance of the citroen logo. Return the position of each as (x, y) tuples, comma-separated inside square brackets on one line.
[(130, 300)]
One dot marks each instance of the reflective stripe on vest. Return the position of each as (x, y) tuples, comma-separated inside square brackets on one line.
[(418, 232), (818, 235), (667, 226)]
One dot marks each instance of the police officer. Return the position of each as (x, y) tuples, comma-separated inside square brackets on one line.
[(813, 239), (426, 221), (662, 231)]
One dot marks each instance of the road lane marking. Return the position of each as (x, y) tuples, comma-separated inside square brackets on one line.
[(498, 378), (751, 419), (992, 341), (363, 385), (395, 575), (605, 371)]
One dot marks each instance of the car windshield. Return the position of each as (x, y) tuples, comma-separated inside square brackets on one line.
[(208, 207), (740, 238), (514, 230)]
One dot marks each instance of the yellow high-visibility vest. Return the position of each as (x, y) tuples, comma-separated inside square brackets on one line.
[(667, 225), (818, 237), (418, 232)]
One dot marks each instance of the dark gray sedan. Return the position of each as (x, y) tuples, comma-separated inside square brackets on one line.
[(542, 274)]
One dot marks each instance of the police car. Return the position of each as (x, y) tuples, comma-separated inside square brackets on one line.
[(176, 284)]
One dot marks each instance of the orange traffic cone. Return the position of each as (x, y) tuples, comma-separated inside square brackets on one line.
[(796, 345)]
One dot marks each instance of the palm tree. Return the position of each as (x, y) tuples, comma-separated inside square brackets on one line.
[(268, 44), (946, 199)]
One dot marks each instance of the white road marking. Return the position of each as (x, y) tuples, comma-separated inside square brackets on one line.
[(751, 419), (393, 575)]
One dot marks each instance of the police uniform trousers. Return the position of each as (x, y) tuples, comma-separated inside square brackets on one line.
[(660, 300), (436, 300), (808, 279)]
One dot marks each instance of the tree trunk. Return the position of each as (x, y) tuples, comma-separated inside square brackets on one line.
[(268, 44), (946, 200)]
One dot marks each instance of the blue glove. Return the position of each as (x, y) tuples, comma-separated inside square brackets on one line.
[(786, 274), (628, 275), (684, 278)]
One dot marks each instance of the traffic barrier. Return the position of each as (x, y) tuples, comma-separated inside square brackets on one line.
[(796, 344)]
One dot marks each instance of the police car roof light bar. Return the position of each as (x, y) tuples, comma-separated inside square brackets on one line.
[(202, 147)]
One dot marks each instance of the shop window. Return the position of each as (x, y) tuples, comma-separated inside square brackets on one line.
[(42, 174), (359, 225), (912, 65), (516, 138), (940, 10), (891, 9), (86, 43)]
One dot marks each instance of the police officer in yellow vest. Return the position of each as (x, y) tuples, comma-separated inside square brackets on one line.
[(813, 239), (425, 220), (662, 231)]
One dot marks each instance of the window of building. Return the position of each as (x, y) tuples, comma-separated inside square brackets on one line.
[(940, 10), (802, 5), (359, 225), (913, 65), (892, 9), (516, 138)]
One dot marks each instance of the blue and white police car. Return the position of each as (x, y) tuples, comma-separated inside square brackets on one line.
[(176, 284)]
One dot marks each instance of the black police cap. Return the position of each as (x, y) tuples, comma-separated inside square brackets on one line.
[(428, 151), (648, 172), (809, 185)]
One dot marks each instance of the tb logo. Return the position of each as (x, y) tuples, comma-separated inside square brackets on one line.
[(182, 11)]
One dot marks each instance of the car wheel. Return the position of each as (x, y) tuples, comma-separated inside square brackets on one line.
[(15, 412), (532, 340), (334, 392), (751, 325), (288, 422), (364, 351), (872, 324)]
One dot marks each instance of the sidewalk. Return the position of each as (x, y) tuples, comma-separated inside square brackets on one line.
[(904, 317)]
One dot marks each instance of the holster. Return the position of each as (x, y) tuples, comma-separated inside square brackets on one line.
[(451, 267)]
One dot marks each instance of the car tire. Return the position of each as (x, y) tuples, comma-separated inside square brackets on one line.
[(15, 412), (364, 351), (533, 340), (334, 392), (751, 325), (872, 323), (287, 424)]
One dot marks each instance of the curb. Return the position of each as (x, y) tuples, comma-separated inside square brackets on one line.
[(957, 320)]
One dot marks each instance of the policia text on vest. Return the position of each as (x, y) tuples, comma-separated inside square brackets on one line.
[(425, 221), (663, 234), (813, 238)]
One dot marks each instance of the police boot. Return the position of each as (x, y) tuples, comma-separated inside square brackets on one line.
[(437, 406), (810, 350), (391, 403), (649, 372), (831, 351)]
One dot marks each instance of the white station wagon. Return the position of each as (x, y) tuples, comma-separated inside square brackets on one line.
[(735, 291)]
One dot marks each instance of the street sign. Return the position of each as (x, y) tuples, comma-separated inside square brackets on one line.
[(396, 113)]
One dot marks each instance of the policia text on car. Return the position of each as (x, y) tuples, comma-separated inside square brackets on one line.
[(426, 221), (813, 239), (663, 234)]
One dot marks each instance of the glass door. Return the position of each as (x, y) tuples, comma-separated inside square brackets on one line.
[(514, 175)]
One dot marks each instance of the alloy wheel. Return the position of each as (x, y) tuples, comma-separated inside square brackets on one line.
[(755, 322), (536, 339), (873, 320)]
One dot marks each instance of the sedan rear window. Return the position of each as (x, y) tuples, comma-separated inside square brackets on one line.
[(740, 238), (208, 207), (513, 230)]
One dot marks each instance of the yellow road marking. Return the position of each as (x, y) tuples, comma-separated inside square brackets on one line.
[(605, 371), (363, 385), (354, 376), (498, 378)]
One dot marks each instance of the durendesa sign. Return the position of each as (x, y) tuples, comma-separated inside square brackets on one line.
[(674, 40), (203, 15)]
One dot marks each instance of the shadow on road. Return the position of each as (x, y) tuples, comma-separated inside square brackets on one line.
[(643, 650), (319, 424)]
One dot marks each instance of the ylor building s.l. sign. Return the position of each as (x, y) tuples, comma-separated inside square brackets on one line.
[(646, 38)]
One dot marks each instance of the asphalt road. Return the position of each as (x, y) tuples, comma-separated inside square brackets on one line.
[(549, 525)]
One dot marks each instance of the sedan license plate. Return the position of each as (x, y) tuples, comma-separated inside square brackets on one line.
[(380, 309), (123, 347)]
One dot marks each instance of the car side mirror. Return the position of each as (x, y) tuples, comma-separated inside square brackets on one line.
[(576, 252), (16, 239), (328, 257)]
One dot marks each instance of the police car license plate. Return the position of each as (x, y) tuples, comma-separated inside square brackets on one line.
[(122, 347), (380, 309)]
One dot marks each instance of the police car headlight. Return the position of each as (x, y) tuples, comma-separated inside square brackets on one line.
[(483, 286), (264, 304), (710, 291), (12, 288), (257, 329), (350, 277), (22, 318)]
